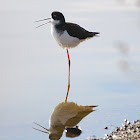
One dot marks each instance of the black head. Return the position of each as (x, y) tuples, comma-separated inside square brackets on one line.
[(58, 16), (73, 132)]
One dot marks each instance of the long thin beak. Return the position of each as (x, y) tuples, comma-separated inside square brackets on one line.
[(41, 126), (44, 23), (41, 130), (42, 19)]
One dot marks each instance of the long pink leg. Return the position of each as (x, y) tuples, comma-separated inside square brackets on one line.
[(68, 76)]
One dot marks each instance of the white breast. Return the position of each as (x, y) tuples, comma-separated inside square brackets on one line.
[(64, 40)]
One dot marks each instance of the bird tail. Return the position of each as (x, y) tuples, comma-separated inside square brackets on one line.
[(95, 33)]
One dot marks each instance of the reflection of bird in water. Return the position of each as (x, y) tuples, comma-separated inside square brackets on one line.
[(67, 35), (65, 115), (73, 132)]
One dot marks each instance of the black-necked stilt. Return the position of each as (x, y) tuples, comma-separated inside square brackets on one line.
[(67, 35), (65, 115)]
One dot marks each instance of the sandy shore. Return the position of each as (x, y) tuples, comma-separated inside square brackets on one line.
[(127, 131)]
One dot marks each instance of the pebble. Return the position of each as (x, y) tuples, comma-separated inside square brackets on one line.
[(127, 131), (106, 127)]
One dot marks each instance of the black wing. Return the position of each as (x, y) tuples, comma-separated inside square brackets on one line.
[(79, 32)]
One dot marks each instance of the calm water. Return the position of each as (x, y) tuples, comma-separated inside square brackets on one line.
[(105, 71)]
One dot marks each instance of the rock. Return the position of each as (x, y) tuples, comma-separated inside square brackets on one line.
[(128, 131)]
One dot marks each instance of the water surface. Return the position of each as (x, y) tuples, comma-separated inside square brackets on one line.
[(105, 71)]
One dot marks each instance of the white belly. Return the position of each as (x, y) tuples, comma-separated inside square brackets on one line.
[(64, 39)]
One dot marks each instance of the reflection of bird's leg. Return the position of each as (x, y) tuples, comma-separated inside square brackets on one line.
[(68, 76)]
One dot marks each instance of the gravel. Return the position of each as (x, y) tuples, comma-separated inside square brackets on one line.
[(127, 131)]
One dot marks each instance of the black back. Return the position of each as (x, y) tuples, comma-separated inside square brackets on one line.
[(77, 31)]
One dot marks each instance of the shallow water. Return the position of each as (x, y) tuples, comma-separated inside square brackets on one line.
[(105, 70)]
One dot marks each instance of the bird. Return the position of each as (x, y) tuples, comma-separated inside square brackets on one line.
[(65, 116), (67, 35)]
